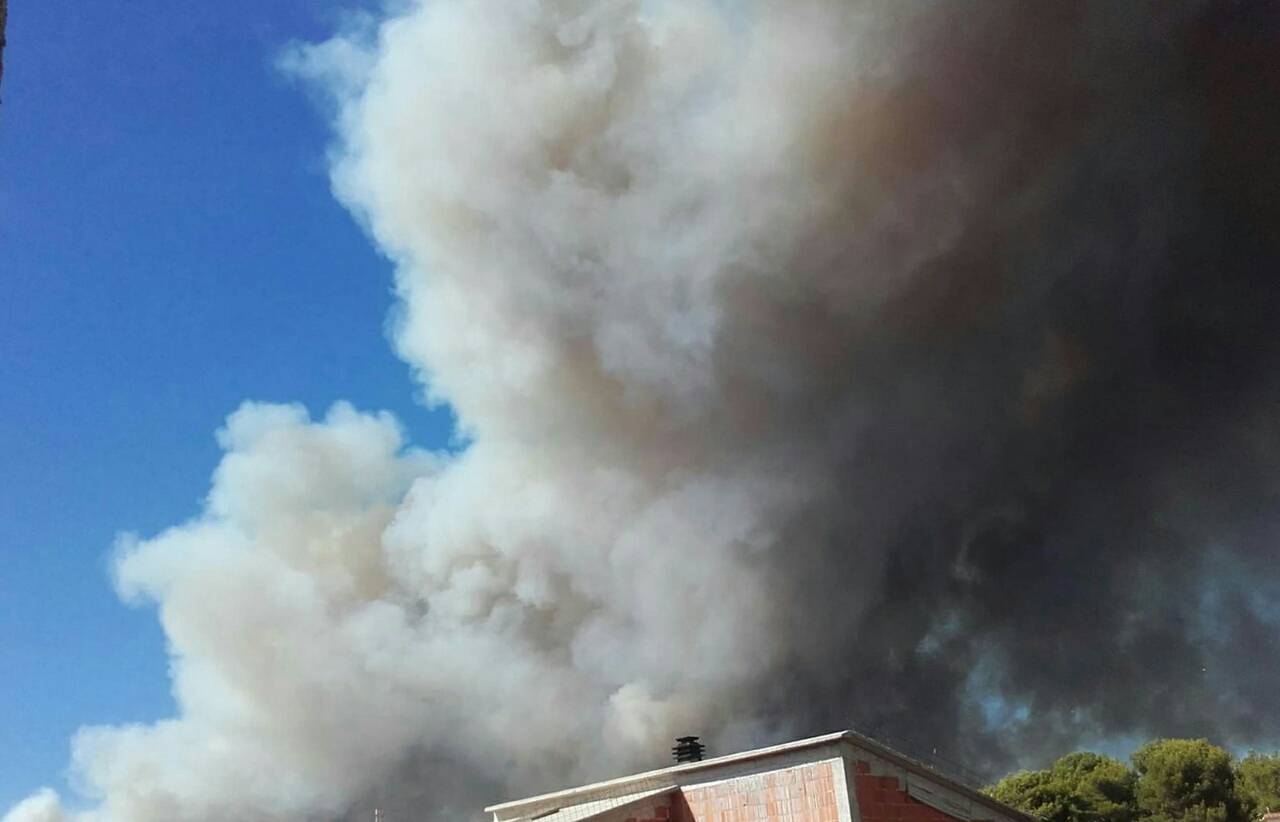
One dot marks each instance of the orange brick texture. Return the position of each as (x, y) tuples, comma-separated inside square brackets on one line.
[(881, 799), (801, 794)]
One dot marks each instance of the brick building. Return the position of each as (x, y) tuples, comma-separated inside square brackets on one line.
[(840, 777)]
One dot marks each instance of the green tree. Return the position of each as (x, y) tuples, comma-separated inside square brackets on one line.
[(1186, 780), (1258, 783), (1079, 787)]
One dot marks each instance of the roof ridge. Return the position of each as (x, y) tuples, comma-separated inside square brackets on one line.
[(853, 738)]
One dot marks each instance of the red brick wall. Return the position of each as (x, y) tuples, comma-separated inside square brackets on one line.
[(882, 799), (801, 794)]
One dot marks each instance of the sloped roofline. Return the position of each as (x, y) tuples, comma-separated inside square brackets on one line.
[(853, 738)]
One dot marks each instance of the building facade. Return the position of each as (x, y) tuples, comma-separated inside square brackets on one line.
[(840, 777)]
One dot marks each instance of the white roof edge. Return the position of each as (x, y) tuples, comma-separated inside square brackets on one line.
[(620, 803), (727, 759), (884, 751), (853, 738)]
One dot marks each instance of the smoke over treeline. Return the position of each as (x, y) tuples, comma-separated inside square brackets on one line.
[(913, 365)]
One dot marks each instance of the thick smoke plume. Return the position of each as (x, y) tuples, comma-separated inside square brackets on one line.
[(911, 365)]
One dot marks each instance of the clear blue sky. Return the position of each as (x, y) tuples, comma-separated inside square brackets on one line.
[(168, 248)]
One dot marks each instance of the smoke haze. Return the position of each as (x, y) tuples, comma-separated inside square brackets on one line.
[(911, 365)]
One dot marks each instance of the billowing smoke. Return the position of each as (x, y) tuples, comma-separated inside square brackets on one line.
[(910, 365)]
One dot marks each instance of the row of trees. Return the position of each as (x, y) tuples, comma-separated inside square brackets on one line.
[(1171, 780)]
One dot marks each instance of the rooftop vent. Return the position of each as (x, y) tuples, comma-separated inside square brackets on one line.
[(688, 749)]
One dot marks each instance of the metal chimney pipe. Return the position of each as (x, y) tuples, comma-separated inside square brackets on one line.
[(688, 749)]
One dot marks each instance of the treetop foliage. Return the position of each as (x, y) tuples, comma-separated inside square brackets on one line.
[(1171, 780), (1258, 782)]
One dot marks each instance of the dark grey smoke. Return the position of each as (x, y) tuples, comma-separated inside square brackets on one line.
[(1066, 466)]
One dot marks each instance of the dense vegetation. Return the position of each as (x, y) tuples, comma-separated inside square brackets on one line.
[(1170, 780)]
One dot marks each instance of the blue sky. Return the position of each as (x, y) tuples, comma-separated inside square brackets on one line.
[(168, 248)]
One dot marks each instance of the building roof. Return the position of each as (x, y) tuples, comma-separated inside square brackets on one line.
[(586, 810), (642, 785)]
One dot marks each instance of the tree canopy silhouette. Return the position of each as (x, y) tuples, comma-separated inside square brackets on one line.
[(1170, 780)]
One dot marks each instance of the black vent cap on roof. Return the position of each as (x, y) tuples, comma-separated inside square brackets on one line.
[(688, 749)]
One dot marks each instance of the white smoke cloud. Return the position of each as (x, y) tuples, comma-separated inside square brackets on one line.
[(567, 189), (41, 806), (642, 249)]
